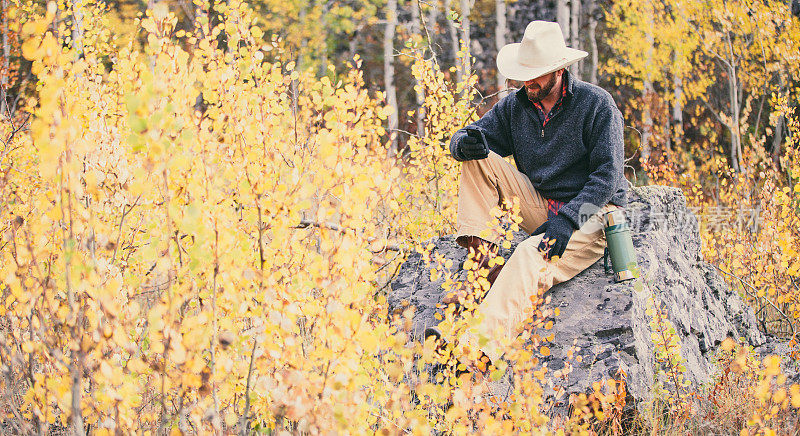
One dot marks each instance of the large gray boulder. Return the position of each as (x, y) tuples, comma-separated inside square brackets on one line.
[(608, 320)]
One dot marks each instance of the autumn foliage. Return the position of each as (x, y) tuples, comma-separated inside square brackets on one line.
[(197, 236)]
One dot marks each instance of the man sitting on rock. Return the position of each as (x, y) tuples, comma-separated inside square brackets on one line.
[(566, 137)]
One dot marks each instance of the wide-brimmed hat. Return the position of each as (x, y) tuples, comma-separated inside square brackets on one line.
[(541, 51)]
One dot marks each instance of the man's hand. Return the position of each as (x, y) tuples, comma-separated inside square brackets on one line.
[(472, 146), (557, 231)]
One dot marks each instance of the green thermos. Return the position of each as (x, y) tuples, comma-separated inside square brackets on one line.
[(619, 246)]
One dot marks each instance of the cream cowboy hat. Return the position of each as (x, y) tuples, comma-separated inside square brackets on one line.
[(541, 51)]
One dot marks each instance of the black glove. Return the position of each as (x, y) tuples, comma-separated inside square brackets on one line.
[(557, 231), (472, 146)]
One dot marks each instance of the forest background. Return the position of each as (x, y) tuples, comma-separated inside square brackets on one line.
[(202, 205)]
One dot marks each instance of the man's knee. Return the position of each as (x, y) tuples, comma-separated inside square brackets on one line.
[(529, 249)]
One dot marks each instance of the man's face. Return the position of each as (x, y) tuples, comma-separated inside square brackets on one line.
[(540, 87)]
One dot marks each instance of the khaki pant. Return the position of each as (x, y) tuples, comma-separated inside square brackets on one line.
[(484, 183)]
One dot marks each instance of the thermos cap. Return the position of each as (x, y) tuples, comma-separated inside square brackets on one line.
[(614, 217)]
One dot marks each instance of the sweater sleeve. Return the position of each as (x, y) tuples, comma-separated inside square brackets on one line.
[(606, 160), (495, 127)]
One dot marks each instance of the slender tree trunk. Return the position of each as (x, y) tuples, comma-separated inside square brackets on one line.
[(778, 138), (77, 27), (466, 41), (593, 52), (295, 85), (416, 30), (575, 16), (6, 63), (388, 72), (562, 17), (647, 89), (454, 44), (295, 88), (733, 93), (677, 110), (76, 391), (647, 121), (416, 26), (303, 40), (323, 47), (736, 147), (352, 44), (433, 29), (500, 38)]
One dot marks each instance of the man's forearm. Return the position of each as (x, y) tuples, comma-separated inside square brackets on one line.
[(495, 130)]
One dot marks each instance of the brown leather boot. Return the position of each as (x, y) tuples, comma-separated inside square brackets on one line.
[(473, 244)]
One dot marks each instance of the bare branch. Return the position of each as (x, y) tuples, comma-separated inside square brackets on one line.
[(330, 226), (755, 297)]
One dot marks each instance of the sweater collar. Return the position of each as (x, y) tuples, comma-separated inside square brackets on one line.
[(570, 81)]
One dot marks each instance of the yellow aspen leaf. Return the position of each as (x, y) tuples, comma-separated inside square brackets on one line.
[(27, 347), (728, 344), (795, 393)]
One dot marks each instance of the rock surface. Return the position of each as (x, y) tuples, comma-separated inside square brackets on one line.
[(607, 319)]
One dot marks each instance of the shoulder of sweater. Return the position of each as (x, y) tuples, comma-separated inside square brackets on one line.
[(511, 99), (589, 92)]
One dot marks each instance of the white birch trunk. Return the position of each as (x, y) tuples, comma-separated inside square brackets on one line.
[(6, 63), (295, 82), (432, 29), (677, 110), (77, 359), (323, 48), (303, 41), (77, 27), (416, 30), (352, 45), (466, 41), (388, 72), (593, 52), (733, 93), (454, 44), (416, 27), (778, 138), (736, 147), (575, 15), (500, 39), (647, 119), (562, 17)]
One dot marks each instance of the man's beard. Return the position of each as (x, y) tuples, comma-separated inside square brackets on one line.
[(537, 96)]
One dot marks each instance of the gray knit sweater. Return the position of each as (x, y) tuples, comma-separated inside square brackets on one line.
[(576, 158)]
